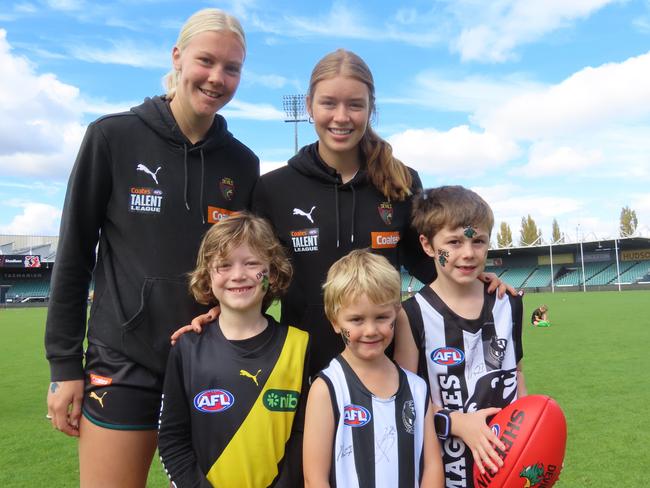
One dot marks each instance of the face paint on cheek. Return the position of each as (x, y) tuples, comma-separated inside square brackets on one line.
[(469, 231), (263, 275), (443, 254), (345, 335)]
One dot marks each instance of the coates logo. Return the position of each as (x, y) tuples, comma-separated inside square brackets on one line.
[(447, 356), (355, 416), (213, 401), (216, 214)]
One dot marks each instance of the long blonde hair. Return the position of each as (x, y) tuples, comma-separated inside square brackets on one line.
[(208, 19), (387, 173)]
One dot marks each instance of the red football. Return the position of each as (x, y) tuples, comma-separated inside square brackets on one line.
[(533, 429)]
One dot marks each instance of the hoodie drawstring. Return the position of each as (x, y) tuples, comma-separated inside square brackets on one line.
[(187, 205), (354, 204), (336, 213), (202, 183)]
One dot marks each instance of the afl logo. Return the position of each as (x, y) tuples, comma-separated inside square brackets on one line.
[(496, 428), (213, 401), (447, 356), (355, 416)]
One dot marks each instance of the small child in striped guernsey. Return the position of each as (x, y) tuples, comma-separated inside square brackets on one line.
[(368, 422)]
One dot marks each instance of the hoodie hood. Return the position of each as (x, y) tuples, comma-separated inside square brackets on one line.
[(309, 163), (157, 115)]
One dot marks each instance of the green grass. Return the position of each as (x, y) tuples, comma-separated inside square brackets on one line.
[(593, 361)]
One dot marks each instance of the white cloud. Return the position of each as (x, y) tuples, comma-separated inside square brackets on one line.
[(244, 110), (590, 99), (267, 166), (66, 5), (452, 153), (269, 81), (124, 52), (491, 31), (36, 219), (548, 159)]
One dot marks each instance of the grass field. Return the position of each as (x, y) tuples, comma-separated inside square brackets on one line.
[(594, 361)]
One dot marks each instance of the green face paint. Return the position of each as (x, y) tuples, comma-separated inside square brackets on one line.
[(443, 254), (469, 231), (262, 275)]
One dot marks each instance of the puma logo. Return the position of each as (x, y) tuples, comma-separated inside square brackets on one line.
[(100, 399), (297, 211), (246, 374), (144, 169)]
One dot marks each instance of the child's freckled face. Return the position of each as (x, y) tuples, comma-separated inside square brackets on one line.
[(366, 328)]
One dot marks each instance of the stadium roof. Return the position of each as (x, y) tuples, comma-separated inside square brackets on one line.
[(623, 244)]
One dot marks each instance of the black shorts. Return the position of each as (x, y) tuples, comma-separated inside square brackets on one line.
[(119, 393)]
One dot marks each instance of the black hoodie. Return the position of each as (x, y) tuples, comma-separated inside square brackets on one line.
[(147, 195), (320, 219)]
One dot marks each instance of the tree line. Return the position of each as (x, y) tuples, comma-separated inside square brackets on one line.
[(530, 233)]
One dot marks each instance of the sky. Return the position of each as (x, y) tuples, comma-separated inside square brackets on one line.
[(540, 106)]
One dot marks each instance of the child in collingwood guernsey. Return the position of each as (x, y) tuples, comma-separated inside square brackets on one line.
[(233, 408), (368, 422), (465, 341)]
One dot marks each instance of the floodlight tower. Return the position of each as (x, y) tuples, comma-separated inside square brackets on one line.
[(294, 108)]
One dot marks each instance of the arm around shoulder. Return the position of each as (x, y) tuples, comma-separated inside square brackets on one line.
[(318, 437)]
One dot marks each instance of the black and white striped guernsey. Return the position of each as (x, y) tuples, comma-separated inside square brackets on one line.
[(378, 442), (470, 364)]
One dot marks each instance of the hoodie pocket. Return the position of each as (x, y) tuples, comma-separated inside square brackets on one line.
[(165, 305)]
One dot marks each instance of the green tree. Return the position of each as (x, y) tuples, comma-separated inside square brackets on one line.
[(628, 222), (529, 232), (504, 236), (557, 235)]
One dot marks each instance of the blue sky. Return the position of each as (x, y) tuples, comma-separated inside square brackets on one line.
[(541, 106)]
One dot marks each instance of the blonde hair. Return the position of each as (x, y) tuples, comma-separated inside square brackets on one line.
[(360, 272), (449, 206), (387, 173), (208, 19), (219, 241)]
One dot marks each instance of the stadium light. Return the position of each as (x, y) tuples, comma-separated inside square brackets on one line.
[(295, 111)]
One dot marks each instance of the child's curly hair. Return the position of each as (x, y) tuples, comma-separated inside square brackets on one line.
[(222, 238)]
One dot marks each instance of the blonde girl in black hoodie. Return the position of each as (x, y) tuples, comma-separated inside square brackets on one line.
[(145, 187)]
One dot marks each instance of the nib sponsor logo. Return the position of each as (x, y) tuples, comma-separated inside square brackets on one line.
[(281, 400)]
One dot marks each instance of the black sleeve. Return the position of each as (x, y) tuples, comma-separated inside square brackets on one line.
[(89, 190), (517, 306), (260, 202), (412, 256), (291, 474), (414, 314), (175, 430)]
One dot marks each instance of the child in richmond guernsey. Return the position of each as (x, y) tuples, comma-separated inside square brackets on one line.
[(368, 422), (465, 341), (232, 395)]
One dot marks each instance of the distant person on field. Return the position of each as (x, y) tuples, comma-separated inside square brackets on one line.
[(464, 340), (145, 187), (540, 317), (368, 422), (233, 403)]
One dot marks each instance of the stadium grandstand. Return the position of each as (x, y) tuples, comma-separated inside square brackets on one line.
[(609, 264), (26, 264)]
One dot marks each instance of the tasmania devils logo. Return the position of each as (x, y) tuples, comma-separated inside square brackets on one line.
[(213, 401), (447, 356), (356, 416)]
